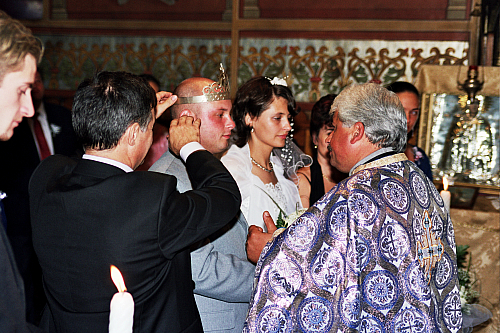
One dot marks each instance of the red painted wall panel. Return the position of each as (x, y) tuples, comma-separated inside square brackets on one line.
[(181, 10)]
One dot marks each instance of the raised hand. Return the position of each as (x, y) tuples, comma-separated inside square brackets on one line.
[(182, 131)]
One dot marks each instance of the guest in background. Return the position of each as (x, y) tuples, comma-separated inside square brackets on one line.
[(90, 213), (160, 131), (321, 176), (48, 132), (375, 254), (20, 52), (221, 273), (410, 98), (262, 111)]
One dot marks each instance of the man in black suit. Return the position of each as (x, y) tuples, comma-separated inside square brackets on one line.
[(20, 52), (24, 151), (94, 212)]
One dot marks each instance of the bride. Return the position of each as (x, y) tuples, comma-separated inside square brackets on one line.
[(262, 111)]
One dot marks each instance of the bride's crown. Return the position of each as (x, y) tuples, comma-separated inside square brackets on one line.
[(217, 91)]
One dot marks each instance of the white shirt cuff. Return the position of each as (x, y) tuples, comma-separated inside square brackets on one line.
[(190, 148)]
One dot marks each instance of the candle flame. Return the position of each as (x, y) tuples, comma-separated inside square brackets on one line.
[(445, 183), (117, 278)]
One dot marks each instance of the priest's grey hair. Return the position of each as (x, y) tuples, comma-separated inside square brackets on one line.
[(380, 111)]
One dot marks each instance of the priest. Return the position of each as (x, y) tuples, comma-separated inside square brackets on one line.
[(376, 253)]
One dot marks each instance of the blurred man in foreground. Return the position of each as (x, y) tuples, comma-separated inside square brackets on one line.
[(20, 52)]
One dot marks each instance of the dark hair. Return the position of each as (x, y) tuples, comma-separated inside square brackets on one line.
[(320, 113), (402, 86), (254, 97), (149, 77), (106, 105)]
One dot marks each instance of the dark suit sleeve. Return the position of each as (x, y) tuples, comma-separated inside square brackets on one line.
[(12, 302), (188, 217)]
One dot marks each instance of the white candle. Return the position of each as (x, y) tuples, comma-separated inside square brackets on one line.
[(121, 314), (445, 194)]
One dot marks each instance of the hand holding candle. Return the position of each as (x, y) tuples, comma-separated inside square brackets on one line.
[(121, 315), (445, 194)]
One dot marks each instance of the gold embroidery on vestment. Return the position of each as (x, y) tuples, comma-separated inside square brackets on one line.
[(381, 162)]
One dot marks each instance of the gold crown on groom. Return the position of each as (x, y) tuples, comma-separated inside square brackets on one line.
[(217, 91)]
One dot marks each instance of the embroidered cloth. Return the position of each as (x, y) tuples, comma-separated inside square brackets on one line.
[(375, 254)]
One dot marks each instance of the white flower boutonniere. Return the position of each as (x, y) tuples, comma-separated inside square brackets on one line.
[(55, 129)]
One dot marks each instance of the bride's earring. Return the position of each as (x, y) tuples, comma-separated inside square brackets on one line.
[(252, 130)]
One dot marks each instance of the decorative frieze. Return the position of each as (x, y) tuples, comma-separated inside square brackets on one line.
[(313, 67)]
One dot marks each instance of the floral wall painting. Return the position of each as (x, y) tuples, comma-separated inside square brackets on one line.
[(312, 67)]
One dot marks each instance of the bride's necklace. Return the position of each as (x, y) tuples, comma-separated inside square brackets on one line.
[(260, 166)]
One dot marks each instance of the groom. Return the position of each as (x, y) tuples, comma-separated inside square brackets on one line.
[(220, 271)]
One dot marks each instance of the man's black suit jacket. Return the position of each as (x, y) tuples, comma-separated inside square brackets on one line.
[(88, 215), (19, 158)]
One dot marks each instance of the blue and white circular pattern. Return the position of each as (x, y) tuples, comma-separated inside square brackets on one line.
[(395, 195), (362, 208), (444, 271), (302, 233), (452, 311), (416, 282), (380, 290), (285, 277), (410, 320), (359, 255), (419, 189), (393, 241), (327, 268), (337, 220), (273, 319), (350, 306), (315, 314), (371, 325)]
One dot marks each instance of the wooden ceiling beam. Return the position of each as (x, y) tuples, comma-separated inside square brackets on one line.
[(262, 25)]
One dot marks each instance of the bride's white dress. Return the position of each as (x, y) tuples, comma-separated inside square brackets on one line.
[(256, 196)]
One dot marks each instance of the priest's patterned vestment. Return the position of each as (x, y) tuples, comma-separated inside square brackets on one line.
[(375, 254)]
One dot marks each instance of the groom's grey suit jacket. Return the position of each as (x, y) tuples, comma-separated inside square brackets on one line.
[(222, 274)]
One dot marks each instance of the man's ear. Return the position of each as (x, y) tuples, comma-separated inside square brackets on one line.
[(357, 133), (187, 112), (130, 136)]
